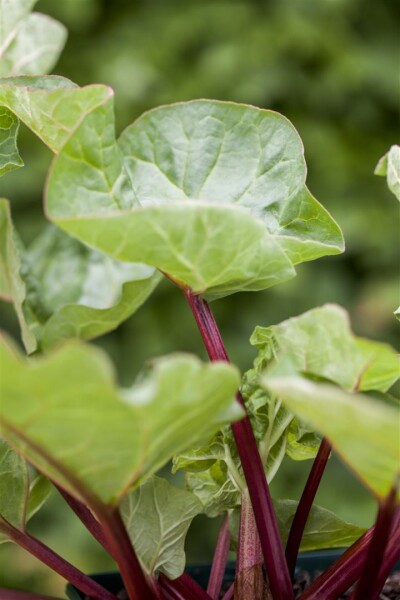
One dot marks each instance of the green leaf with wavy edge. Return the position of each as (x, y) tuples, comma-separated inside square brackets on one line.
[(63, 289), (157, 516), (212, 193), (97, 449), (9, 155), (30, 44), (323, 529), (22, 492), (363, 430), (320, 342), (389, 167)]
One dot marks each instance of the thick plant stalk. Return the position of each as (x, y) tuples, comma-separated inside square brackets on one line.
[(392, 554), (86, 517), (17, 595), (137, 585), (347, 569), (253, 470), (368, 586), (219, 561), (249, 578), (56, 563), (182, 588), (305, 504)]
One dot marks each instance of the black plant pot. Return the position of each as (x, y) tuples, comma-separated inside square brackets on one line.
[(308, 561)]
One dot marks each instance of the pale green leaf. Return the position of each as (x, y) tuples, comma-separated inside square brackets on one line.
[(12, 284), (52, 107), (323, 529), (9, 155), (62, 289), (211, 193), (320, 342), (21, 493), (30, 44), (364, 431), (157, 516), (397, 313), (66, 415), (389, 167)]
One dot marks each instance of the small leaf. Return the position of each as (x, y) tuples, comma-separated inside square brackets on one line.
[(320, 342), (9, 155), (364, 431), (12, 284), (157, 516), (389, 166), (30, 44), (20, 497), (114, 439)]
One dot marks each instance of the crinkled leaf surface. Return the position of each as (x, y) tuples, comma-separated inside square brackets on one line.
[(212, 193), (64, 412), (157, 516), (389, 167), (63, 289), (323, 529), (320, 342), (363, 430), (30, 44), (22, 493)]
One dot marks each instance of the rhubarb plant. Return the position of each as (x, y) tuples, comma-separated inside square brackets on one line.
[(213, 196)]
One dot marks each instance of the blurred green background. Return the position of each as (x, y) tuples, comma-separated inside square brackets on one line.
[(332, 68)]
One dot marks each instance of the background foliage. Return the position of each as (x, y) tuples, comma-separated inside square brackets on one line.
[(330, 67)]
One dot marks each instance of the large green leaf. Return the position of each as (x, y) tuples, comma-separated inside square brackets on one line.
[(30, 44), (66, 415), (211, 193), (63, 289), (389, 167), (321, 343), (157, 516), (22, 492), (363, 430)]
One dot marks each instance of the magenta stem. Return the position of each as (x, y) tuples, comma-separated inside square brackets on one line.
[(219, 561), (182, 588), (47, 556), (18, 595), (253, 469), (305, 504), (368, 585), (392, 554), (347, 569), (229, 593), (137, 585), (87, 518)]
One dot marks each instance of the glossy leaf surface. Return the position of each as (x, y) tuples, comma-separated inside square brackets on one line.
[(63, 289), (211, 193), (157, 516), (9, 155), (66, 415)]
